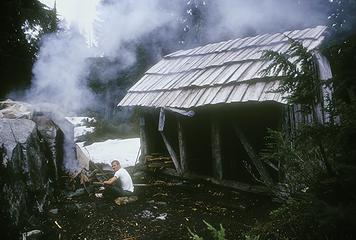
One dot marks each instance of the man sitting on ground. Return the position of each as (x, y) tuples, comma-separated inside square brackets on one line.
[(120, 184)]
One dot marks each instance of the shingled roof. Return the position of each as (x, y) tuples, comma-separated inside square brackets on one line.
[(224, 72)]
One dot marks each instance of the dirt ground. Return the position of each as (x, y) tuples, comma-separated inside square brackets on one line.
[(161, 212)]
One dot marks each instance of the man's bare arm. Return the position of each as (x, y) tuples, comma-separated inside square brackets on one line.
[(110, 181)]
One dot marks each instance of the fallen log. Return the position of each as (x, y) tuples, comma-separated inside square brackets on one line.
[(149, 158), (157, 184), (260, 189)]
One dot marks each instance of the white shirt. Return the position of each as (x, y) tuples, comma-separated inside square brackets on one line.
[(125, 179)]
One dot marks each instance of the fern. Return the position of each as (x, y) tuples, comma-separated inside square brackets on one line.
[(217, 234), (194, 236)]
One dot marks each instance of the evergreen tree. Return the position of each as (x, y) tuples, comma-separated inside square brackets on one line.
[(21, 25), (342, 18), (193, 23)]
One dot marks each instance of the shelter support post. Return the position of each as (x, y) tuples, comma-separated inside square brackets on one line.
[(143, 139), (172, 153), (253, 156), (182, 147), (216, 150)]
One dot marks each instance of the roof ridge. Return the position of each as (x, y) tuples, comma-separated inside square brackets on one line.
[(192, 51)]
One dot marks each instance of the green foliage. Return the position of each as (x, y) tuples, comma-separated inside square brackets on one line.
[(106, 129), (304, 154), (193, 23), (111, 88), (143, 61), (18, 44), (296, 70), (315, 164), (342, 19), (338, 139), (297, 162), (342, 58), (194, 236), (217, 234), (308, 217), (251, 237), (28, 14)]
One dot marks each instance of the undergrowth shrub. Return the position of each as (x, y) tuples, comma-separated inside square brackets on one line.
[(297, 163), (216, 234), (308, 217), (108, 129), (315, 164)]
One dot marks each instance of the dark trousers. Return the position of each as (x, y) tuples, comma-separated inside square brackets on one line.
[(112, 192)]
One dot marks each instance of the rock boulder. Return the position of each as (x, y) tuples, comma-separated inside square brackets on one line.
[(26, 170)]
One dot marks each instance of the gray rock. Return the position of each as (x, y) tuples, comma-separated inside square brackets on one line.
[(24, 170), (53, 138), (15, 131), (31, 158)]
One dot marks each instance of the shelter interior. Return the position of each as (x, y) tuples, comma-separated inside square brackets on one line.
[(210, 145)]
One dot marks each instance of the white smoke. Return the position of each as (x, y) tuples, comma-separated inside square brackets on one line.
[(61, 71), (127, 21), (239, 18)]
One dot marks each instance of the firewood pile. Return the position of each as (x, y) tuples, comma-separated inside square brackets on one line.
[(158, 160)]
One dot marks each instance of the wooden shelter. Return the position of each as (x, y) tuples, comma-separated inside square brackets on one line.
[(209, 107)]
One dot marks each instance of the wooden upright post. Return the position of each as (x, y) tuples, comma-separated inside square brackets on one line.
[(216, 150), (182, 148), (143, 139)]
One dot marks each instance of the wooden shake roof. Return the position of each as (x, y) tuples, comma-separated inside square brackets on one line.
[(224, 72)]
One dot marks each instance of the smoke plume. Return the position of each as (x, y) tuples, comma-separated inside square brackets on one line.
[(61, 71), (239, 18)]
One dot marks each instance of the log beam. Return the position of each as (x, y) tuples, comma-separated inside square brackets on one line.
[(253, 156), (172, 153), (259, 189)]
